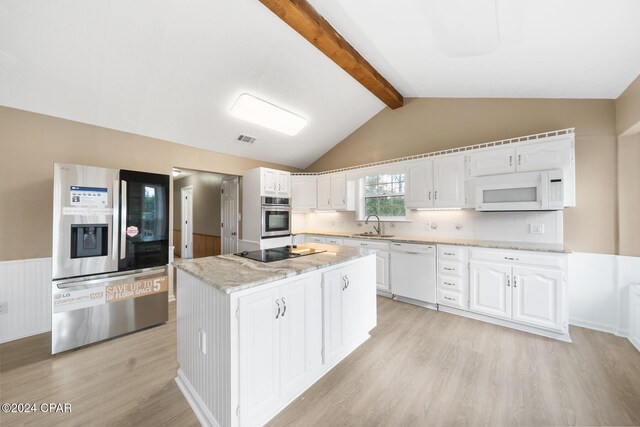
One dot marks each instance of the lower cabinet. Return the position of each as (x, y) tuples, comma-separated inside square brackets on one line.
[(529, 295), (382, 271), (279, 346)]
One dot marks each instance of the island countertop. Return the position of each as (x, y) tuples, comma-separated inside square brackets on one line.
[(231, 273)]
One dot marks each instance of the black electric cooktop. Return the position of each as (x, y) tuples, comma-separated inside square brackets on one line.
[(278, 254)]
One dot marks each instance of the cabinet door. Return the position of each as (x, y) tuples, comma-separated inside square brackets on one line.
[(490, 289), (259, 367), (338, 191), (351, 319), (537, 297), (492, 161), (556, 154), (324, 192), (333, 290), (449, 182), (283, 180), (269, 182), (418, 191), (300, 332), (303, 193), (382, 271)]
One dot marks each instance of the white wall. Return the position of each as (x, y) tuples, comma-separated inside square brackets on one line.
[(504, 226)]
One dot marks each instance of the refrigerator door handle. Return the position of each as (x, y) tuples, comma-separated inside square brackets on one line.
[(124, 277), (116, 219), (123, 222)]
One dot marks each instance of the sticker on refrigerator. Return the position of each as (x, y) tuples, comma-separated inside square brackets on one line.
[(76, 299), (132, 231), (139, 288), (89, 196)]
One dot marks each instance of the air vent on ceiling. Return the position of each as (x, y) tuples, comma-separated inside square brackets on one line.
[(247, 138)]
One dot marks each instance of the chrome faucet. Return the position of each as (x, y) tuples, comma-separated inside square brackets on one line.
[(378, 228)]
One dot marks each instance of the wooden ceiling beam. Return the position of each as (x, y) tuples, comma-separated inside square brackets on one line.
[(303, 18)]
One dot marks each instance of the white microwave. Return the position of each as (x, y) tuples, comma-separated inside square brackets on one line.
[(529, 191)]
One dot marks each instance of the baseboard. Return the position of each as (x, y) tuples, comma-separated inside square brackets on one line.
[(593, 325), (194, 401), (636, 343), (25, 335)]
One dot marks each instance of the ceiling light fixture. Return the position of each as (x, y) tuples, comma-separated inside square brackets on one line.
[(263, 113), (176, 172)]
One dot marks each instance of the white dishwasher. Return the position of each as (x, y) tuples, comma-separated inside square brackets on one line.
[(413, 271)]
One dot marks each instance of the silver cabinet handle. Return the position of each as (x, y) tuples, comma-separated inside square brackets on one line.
[(449, 283), (449, 269), (508, 281), (278, 302), (515, 281), (115, 202), (363, 244), (280, 189), (435, 195), (449, 298), (344, 283), (510, 160), (344, 201), (449, 253), (123, 222), (285, 306), (328, 201), (348, 282), (519, 159), (511, 258)]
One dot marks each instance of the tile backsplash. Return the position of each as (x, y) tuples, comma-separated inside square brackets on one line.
[(539, 226)]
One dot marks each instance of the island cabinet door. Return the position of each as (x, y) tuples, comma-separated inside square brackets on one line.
[(300, 334), (333, 288), (259, 339), (351, 295)]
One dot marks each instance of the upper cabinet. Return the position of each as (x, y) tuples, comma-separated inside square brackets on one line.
[(332, 192), (339, 191), (303, 193), (438, 182), (274, 183), (324, 192), (555, 153)]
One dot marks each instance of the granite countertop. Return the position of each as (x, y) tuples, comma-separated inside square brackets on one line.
[(521, 246), (231, 273)]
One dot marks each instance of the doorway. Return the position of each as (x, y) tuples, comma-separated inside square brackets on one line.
[(186, 248), (229, 223)]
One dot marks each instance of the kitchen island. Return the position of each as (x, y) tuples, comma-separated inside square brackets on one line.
[(253, 336)]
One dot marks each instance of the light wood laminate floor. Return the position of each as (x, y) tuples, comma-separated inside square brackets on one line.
[(420, 367)]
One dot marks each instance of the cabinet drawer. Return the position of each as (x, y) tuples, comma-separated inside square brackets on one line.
[(450, 268), (368, 244), (334, 240), (450, 283), (453, 253), (452, 299), (520, 257), (316, 239)]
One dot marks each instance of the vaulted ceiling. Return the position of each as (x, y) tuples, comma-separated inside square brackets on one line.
[(172, 70)]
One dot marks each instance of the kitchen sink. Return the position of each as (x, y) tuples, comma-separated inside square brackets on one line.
[(373, 235)]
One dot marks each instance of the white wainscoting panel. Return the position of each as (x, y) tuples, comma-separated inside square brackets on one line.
[(199, 311), (25, 286)]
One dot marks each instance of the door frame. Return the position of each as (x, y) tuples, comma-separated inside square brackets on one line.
[(236, 180), (186, 233)]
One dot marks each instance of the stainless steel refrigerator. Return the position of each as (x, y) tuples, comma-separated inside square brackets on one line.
[(110, 253)]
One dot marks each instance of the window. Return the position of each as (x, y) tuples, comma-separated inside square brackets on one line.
[(384, 195)]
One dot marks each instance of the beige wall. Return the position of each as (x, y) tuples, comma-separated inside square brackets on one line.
[(29, 145), (206, 202), (628, 109), (432, 124), (629, 194)]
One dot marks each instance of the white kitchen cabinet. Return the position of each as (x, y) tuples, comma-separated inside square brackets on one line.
[(315, 239), (303, 193), (274, 183), (524, 287), (277, 351), (338, 191), (324, 192), (418, 183), (536, 297), (449, 181), (553, 154), (453, 277), (492, 161), (490, 289), (333, 240), (382, 271)]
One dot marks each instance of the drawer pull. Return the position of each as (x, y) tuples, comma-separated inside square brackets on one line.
[(450, 253), (450, 269), (511, 258), (449, 284), (449, 298)]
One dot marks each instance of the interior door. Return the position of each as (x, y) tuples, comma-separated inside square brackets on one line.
[(537, 297), (186, 193), (259, 368), (229, 217), (490, 289)]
